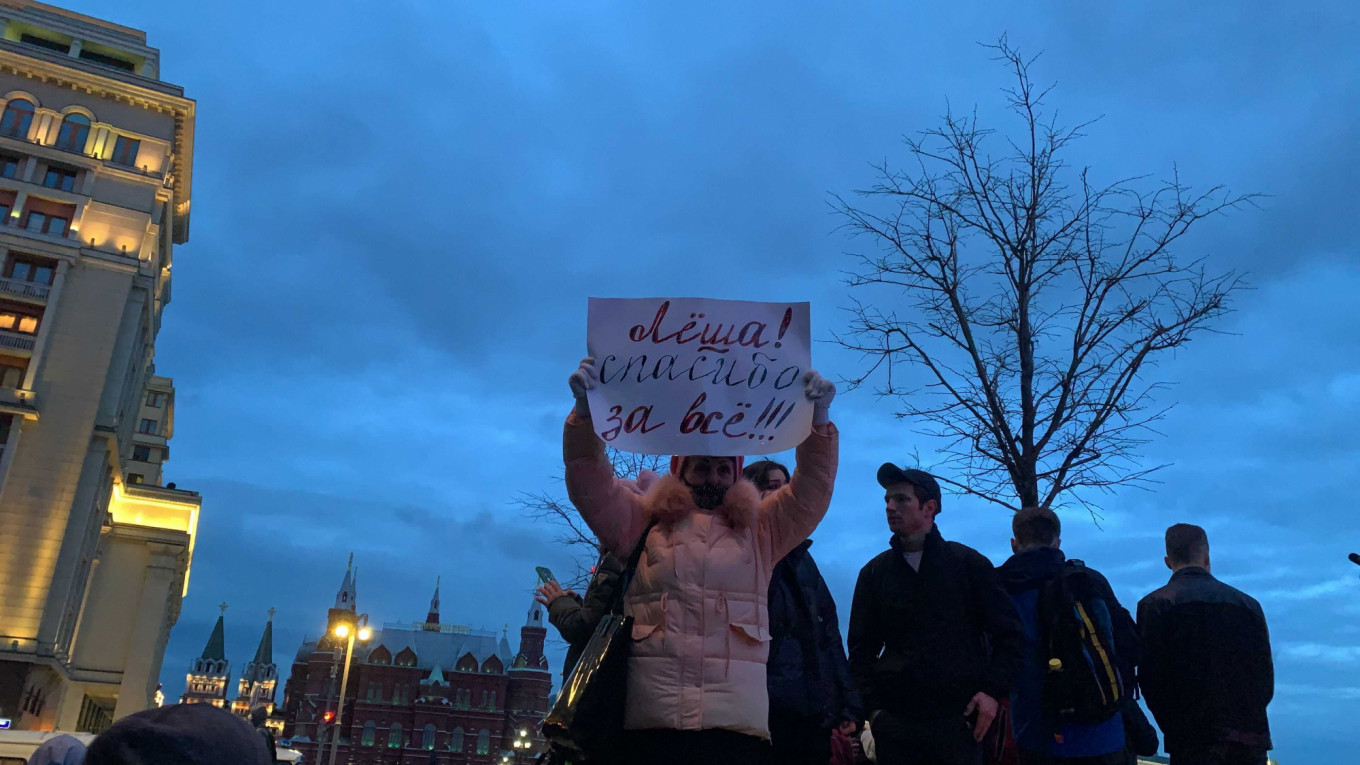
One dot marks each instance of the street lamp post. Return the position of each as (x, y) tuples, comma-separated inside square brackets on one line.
[(346, 631)]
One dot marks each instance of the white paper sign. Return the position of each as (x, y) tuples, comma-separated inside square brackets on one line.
[(699, 376)]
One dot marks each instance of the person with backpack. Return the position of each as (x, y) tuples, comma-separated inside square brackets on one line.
[(1207, 671), (934, 641), (1080, 650)]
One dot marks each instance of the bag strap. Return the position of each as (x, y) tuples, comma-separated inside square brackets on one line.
[(626, 578)]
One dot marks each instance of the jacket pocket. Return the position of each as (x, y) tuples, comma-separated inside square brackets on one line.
[(751, 633), (643, 631)]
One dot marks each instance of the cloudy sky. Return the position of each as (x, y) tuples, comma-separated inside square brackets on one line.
[(401, 209)]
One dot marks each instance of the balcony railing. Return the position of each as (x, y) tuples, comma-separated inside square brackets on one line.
[(15, 340), (24, 289)]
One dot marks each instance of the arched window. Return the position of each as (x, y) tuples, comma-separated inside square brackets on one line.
[(456, 740), (428, 738), (74, 130), (394, 736), (17, 117), (484, 742), (370, 733)]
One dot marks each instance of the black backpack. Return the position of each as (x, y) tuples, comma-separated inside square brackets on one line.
[(1082, 682)]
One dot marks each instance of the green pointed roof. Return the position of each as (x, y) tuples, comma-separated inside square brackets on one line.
[(216, 648), (265, 653)]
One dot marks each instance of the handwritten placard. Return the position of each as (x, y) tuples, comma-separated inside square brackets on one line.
[(699, 376)]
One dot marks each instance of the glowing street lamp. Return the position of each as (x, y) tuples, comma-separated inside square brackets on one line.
[(344, 631), (522, 745)]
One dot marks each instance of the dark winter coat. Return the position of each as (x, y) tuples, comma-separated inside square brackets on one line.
[(1024, 576), (807, 673), (1206, 672), (944, 633), (576, 619)]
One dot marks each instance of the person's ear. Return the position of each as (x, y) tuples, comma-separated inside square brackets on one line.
[(1167, 561), (1015, 546), (1057, 544), (935, 510)]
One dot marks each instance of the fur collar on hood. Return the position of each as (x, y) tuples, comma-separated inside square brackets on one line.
[(669, 501)]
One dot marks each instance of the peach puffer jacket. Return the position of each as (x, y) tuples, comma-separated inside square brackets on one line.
[(701, 631)]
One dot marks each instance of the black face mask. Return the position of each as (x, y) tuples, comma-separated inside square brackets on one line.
[(708, 496)]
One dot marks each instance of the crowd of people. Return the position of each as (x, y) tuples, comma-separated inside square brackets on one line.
[(737, 658)]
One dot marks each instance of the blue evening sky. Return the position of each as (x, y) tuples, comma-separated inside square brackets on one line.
[(400, 209)]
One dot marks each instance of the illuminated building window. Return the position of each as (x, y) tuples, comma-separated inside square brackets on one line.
[(25, 268), (9, 165), (125, 151), (369, 734), (17, 319), (148, 427), (75, 129), (155, 399), (17, 117), (60, 178), (484, 742), (428, 736), (456, 740), (394, 736), (47, 224), (136, 479)]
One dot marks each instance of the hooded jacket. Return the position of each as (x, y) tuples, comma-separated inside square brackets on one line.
[(1023, 576), (701, 633), (576, 619), (923, 643), (809, 677)]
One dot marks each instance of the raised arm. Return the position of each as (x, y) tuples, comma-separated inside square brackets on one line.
[(791, 514), (608, 506)]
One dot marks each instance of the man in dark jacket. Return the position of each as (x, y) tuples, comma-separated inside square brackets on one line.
[(1037, 561), (576, 618), (1206, 670), (934, 640)]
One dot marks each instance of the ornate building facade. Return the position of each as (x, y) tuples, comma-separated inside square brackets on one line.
[(210, 674), (419, 689), (96, 160), (259, 678)]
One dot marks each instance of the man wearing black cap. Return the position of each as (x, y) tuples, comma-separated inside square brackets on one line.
[(934, 640)]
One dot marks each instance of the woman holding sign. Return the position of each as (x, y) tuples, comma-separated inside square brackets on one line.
[(696, 688)]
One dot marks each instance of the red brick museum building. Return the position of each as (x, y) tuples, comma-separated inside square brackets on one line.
[(418, 690)]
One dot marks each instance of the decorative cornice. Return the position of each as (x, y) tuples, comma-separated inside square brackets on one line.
[(33, 65)]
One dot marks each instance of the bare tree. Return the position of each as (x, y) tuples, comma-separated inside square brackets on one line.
[(549, 508), (1029, 302)]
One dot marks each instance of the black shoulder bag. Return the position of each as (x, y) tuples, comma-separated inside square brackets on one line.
[(586, 720)]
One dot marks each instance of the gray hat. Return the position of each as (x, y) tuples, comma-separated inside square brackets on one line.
[(180, 734), (927, 488)]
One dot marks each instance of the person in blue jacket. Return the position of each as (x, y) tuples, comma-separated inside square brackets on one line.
[(1037, 560), (811, 688)]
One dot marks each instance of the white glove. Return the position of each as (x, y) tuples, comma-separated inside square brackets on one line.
[(820, 391), (585, 378)]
